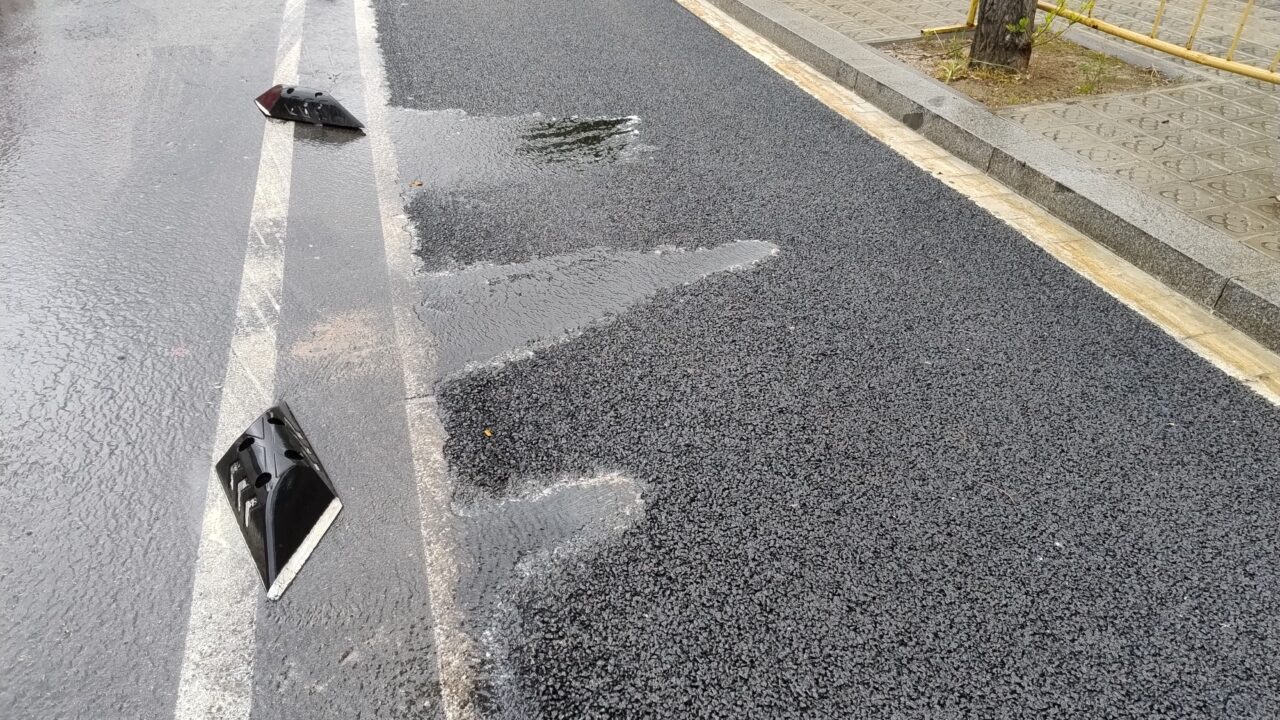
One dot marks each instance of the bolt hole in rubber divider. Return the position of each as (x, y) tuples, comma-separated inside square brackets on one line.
[(280, 494)]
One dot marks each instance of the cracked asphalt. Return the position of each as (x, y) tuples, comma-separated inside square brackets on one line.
[(746, 415)]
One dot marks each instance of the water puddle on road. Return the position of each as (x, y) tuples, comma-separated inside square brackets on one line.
[(504, 189), (488, 199), (516, 531), (449, 150), (583, 140), (518, 540), (488, 314)]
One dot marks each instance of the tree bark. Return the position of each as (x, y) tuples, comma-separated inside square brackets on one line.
[(994, 43)]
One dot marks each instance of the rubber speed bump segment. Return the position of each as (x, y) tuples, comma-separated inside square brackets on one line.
[(290, 102), (280, 494)]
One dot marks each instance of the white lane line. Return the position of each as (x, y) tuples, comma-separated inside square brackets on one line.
[(418, 355), (217, 657), (304, 550)]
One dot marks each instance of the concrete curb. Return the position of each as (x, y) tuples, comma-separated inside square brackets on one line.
[(1238, 284)]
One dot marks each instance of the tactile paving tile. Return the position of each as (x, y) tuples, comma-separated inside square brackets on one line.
[(1187, 197), (1268, 126), (1267, 177), (1148, 147), (1142, 174), (1186, 117), (1190, 167), (1070, 136), (1229, 110), (1267, 207), (1156, 102), (1262, 103), (1238, 188), (1108, 131), (1231, 133), (1267, 244), (1231, 91), (1150, 123), (1189, 141), (1234, 220), (1234, 159), (1192, 95), (1072, 113), (1103, 156), (1115, 107), (1032, 119)]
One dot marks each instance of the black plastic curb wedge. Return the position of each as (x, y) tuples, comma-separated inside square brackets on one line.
[(290, 102), (280, 495)]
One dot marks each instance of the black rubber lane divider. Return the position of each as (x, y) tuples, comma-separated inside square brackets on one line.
[(280, 494), (290, 102)]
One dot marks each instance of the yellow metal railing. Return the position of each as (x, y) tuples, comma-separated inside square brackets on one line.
[(1186, 51)]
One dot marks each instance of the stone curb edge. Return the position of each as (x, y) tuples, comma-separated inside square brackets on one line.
[(1239, 285)]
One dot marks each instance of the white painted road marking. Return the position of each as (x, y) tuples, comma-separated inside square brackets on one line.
[(217, 656), (418, 362), (304, 550)]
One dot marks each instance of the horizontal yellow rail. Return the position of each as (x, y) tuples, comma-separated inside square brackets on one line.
[(1149, 40), (1165, 47), (969, 22)]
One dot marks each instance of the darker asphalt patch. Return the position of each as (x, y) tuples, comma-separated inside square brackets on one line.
[(910, 467), (890, 503)]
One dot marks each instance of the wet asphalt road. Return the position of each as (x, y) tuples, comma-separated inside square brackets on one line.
[(125, 185), (843, 447)]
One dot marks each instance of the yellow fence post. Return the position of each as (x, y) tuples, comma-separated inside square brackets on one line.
[(1155, 27), (1244, 16), (1195, 26)]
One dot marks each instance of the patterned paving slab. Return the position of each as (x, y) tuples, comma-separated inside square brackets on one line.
[(1209, 148)]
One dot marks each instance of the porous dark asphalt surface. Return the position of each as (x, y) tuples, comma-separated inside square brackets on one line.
[(909, 467)]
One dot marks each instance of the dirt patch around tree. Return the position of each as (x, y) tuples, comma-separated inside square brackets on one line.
[(1059, 70)]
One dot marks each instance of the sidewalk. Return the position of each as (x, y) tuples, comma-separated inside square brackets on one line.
[(1208, 147), (1179, 181)]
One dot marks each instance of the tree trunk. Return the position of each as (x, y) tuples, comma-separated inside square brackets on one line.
[(994, 43)]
